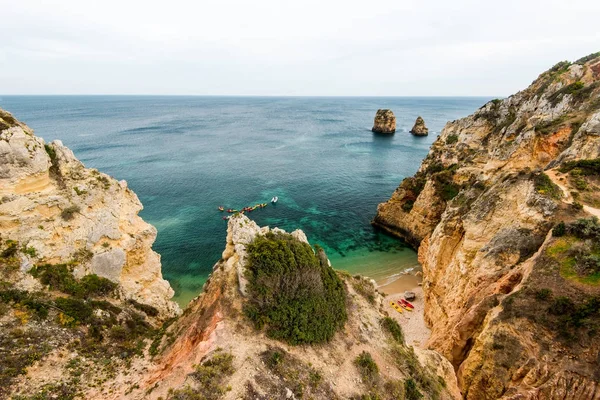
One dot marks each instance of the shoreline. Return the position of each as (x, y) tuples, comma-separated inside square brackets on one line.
[(416, 332)]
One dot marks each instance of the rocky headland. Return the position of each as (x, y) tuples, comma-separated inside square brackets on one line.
[(85, 313), (385, 122), (419, 128), (502, 214)]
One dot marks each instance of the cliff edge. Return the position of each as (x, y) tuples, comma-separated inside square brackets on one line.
[(511, 304)]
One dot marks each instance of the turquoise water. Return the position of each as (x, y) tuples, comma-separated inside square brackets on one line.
[(184, 156)]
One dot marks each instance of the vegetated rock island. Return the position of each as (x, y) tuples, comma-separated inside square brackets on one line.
[(385, 122), (419, 128)]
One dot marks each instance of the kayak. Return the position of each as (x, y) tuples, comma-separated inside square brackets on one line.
[(407, 308), (396, 307), (406, 303), (230, 210)]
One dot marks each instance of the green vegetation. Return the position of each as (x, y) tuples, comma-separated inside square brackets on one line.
[(303, 380), (60, 277), (543, 294), (583, 167), (79, 191), (576, 89), (544, 185), (145, 308), (68, 213), (30, 251), (425, 379), (451, 139), (393, 328), (587, 58), (297, 297), (412, 188), (367, 368), (209, 377), (577, 250), (411, 391), (364, 287), (552, 126), (51, 153)]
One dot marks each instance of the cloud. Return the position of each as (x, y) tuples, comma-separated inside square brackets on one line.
[(259, 47)]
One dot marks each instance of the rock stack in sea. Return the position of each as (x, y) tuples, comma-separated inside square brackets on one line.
[(419, 129), (385, 122)]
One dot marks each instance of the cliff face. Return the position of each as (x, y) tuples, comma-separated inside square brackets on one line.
[(480, 211), (63, 212), (262, 367)]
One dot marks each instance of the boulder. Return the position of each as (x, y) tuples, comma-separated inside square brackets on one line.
[(409, 296), (419, 129), (385, 122)]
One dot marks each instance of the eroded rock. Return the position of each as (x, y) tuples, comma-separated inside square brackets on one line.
[(385, 122)]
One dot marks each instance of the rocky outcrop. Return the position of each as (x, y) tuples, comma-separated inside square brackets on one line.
[(214, 323), (479, 211), (65, 213), (385, 122), (419, 128)]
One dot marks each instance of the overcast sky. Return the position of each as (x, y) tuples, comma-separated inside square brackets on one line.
[(278, 47)]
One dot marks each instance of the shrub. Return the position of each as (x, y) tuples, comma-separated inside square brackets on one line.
[(77, 309), (209, 376), (543, 294), (577, 206), (411, 392), (390, 325), (587, 58), (51, 153), (10, 250), (30, 251), (584, 228), (451, 139), (368, 369), (145, 308), (586, 167), (59, 277), (544, 185), (561, 305), (298, 298), (559, 229), (68, 213)]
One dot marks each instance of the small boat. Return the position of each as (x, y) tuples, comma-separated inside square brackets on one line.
[(407, 308), (407, 304), (231, 210), (274, 199), (227, 217), (221, 208), (396, 307)]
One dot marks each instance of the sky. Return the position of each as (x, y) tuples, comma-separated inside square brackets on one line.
[(289, 48)]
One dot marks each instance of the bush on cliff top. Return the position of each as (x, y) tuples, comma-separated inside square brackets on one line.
[(295, 296)]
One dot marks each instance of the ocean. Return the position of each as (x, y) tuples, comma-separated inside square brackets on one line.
[(185, 156)]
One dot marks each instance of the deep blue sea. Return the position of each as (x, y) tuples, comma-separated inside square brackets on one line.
[(185, 156)]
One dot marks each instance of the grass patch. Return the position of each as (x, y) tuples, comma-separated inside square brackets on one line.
[(393, 328), (364, 287), (297, 297), (544, 185), (584, 167)]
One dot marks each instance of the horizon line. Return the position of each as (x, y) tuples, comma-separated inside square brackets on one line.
[(246, 95)]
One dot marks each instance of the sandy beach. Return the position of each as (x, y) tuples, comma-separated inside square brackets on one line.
[(413, 325)]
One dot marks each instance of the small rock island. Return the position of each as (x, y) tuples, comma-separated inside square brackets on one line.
[(419, 129), (385, 122)]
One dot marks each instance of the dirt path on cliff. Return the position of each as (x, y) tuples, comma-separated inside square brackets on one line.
[(554, 175)]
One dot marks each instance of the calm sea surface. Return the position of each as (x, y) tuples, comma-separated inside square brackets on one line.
[(185, 156)]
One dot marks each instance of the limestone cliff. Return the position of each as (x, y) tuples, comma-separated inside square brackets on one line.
[(480, 211), (63, 212)]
